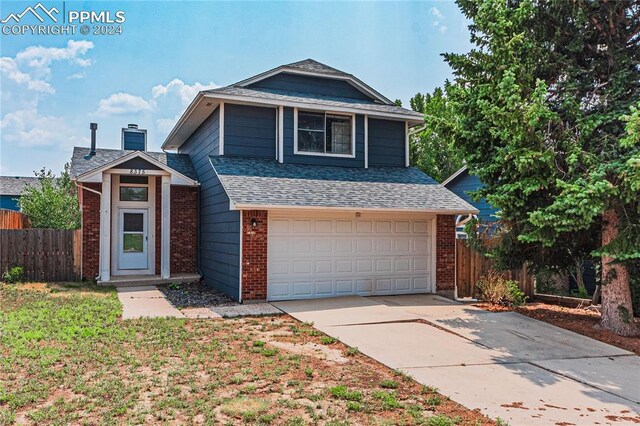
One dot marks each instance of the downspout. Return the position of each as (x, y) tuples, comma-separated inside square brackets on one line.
[(82, 245)]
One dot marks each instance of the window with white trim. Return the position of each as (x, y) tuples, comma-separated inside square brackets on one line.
[(325, 133)]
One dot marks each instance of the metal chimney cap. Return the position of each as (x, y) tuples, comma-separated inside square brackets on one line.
[(93, 126), (132, 126)]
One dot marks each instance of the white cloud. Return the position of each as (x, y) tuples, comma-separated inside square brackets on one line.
[(76, 76), (27, 128), (32, 65), (184, 91), (123, 103), (436, 12), (166, 124), (9, 68)]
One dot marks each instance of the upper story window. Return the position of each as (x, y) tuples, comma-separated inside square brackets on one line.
[(325, 134)]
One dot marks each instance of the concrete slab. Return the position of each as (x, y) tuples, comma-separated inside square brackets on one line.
[(403, 345), (522, 337), (523, 394), (199, 313), (342, 311), (254, 309), (619, 375), (145, 302)]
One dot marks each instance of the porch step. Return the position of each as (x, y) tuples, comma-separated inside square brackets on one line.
[(148, 280)]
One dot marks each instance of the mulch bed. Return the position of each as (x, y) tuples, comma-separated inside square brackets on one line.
[(578, 320), (195, 295)]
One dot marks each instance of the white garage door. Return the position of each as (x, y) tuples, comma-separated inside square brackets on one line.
[(323, 256)]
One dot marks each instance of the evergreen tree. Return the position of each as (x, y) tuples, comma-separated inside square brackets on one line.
[(543, 101)]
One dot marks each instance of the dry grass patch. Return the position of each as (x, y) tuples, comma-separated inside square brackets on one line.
[(67, 357)]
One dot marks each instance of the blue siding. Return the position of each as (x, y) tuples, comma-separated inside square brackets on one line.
[(219, 227), (386, 143), (9, 202), (311, 85), (133, 141), (290, 157), (465, 183), (249, 131)]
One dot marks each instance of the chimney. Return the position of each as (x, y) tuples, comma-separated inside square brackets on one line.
[(93, 127), (134, 138)]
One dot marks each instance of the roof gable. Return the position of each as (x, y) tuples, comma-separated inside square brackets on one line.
[(85, 168), (314, 68)]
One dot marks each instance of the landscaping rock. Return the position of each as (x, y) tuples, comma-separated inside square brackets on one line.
[(195, 295)]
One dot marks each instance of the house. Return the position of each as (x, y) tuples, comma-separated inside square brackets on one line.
[(301, 188), (462, 183), (11, 187)]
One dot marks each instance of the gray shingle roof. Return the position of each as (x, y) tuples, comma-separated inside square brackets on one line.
[(325, 101), (315, 66), (267, 182), (14, 185), (81, 164)]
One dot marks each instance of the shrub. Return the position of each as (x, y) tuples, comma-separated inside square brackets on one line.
[(496, 289), (13, 275)]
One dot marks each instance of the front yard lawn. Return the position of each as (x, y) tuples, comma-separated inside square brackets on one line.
[(67, 357)]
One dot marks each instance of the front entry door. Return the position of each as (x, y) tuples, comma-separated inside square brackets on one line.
[(133, 242)]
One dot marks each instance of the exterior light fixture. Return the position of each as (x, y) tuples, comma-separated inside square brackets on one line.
[(254, 222)]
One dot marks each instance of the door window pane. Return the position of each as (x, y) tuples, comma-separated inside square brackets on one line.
[(133, 222), (134, 193), (132, 243)]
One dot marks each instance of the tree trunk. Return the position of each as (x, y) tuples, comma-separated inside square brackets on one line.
[(617, 311)]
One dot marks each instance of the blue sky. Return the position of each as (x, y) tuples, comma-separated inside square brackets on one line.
[(52, 86)]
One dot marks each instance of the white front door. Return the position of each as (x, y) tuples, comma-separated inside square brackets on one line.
[(326, 255), (133, 241)]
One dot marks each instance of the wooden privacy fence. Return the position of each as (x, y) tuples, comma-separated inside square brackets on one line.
[(44, 254), (11, 219), (471, 265)]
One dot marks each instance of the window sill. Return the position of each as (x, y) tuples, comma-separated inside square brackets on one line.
[(321, 154)]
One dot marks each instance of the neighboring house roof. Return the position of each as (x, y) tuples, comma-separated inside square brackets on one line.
[(254, 183), (462, 183), (207, 101), (14, 185), (455, 175), (82, 163)]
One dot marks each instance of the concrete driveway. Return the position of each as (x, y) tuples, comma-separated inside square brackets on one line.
[(509, 366)]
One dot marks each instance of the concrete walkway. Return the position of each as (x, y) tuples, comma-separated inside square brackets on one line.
[(145, 302), (510, 366)]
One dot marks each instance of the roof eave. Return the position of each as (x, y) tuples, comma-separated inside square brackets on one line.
[(453, 176), (259, 206)]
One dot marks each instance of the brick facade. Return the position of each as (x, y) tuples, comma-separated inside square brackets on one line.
[(184, 229), (445, 255), (90, 204), (254, 255)]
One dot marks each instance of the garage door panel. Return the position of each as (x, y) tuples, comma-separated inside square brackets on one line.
[(324, 288), (323, 226), (322, 257), (364, 226), (324, 266)]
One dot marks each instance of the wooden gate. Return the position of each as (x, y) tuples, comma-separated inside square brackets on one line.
[(44, 254), (471, 265)]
